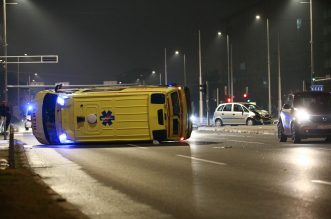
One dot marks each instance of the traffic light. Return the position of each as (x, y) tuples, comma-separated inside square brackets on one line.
[(313, 77), (203, 88), (228, 99), (245, 95)]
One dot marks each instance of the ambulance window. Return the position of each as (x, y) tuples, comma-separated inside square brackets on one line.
[(175, 104), (175, 128), (157, 98)]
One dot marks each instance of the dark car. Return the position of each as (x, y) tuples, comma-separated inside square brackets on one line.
[(305, 115), (265, 117)]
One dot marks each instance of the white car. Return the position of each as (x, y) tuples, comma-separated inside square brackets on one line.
[(234, 114), (27, 119)]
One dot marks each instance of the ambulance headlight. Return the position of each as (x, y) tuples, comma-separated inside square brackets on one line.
[(64, 139), (61, 100)]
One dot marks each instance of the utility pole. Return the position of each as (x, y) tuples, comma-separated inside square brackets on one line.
[(207, 103), (231, 72), (312, 64), (200, 84), (279, 78), (184, 70), (269, 69), (165, 67), (5, 51), (228, 56)]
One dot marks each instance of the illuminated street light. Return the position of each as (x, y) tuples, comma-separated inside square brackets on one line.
[(184, 57), (258, 17), (165, 67), (5, 45), (160, 76), (312, 63), (18, 80), (200, 84), (230, 78)]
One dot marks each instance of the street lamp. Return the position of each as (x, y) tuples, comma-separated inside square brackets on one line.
[(258, 17), (165, 67), (230, 80), (33, 80), (200, 84), (5, 45), (312, 64), (18, 80), (184, 57), (160, 76)]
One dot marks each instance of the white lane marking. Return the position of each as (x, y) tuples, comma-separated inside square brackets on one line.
[(321, 182), (248, 142), (203, 160), (137, 146), (223, 147)]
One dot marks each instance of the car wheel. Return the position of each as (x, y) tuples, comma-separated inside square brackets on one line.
[(250, 122), (281, 136), (328, 139), (218, 123), (26, 129), (295, 135)]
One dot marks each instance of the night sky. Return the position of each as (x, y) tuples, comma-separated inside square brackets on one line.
[(106, 40), (124, 41)]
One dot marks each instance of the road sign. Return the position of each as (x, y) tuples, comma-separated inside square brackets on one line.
[(317, 87), (34, 59)]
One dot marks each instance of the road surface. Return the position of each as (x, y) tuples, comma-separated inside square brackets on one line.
[(212, 175)]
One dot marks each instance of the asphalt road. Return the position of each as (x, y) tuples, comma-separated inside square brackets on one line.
[(212, 175)]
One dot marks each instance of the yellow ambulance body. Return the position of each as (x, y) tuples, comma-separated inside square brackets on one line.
[(107, 114)]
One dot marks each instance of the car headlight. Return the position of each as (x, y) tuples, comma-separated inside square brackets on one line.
[(302, 115), (193, 118)]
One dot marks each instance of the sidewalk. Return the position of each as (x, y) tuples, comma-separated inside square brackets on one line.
[(24, 194), (256, 129)]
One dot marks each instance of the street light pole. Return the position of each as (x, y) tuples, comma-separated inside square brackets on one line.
[(258, 17), (5, 50), (231, 72), (312, 64), (184, 63), (18, 83), (184, 70), (29, 87), (279, 79), (165, 67), (229, 89), (269, 70), (200, 83), (228, 56)]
